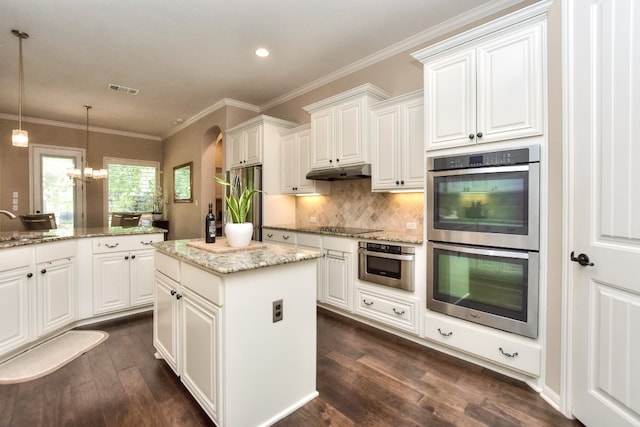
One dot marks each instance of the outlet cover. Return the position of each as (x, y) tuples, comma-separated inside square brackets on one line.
[(411, 226)]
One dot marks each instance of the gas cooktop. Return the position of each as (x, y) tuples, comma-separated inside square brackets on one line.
[(341, 230)]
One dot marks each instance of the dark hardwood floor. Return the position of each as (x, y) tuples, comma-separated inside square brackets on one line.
[(365, 378)]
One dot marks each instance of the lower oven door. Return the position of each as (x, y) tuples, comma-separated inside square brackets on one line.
[(395, 270), (490, 286)]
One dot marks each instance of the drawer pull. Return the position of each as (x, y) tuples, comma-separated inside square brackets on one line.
[(111, 246), (367, 302), (445, 334), (269, 235), (147, 243), (398, 312), (285, 237), (508, 354)]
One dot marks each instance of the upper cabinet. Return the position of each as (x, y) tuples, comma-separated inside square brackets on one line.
[(485, 90), (246, 142), (397, 138), (295, 162), (339, 127)]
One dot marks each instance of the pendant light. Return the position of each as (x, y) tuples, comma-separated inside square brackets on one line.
[(87, 174), (20, 137)]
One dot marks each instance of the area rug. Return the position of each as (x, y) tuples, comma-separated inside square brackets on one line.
[(49, 356)]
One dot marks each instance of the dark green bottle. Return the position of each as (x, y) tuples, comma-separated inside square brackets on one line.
[(210, 226)]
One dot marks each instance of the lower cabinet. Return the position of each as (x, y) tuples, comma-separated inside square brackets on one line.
[(512, 351), (55, 295), (393, 310), (165, 319), (123, 269), (337, 283), (15, 294), (200, 335)]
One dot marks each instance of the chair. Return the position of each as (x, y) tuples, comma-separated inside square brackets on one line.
[(39, 221), (125, 219)]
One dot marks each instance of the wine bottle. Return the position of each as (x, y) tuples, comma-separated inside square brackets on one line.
[(210, 226)]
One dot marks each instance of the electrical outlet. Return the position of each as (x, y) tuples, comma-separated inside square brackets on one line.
[(277, 310), (313, 220), (411, 226)]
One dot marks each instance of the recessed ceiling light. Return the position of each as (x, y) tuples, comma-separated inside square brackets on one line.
[(262, 52)]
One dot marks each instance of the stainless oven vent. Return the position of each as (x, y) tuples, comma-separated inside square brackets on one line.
[(123, 89)]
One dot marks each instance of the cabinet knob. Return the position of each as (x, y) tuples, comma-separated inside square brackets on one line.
[(337, 160), (133, 257), (126, 257), (397, 182), (479, 134), (173, 292), (402, 182), (44, 270), (29, 275), (178, 296), (471, 136), (330, 160)]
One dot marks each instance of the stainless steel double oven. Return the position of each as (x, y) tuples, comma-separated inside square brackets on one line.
[(483, 229)]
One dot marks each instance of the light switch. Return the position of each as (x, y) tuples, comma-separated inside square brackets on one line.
[(15, 201), (15, 208), (15, 194)]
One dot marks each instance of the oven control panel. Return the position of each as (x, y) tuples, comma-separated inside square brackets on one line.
[(495, 158), (387, 249)]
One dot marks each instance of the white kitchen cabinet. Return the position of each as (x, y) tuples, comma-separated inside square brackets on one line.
[(338, 272), (388, 308), (200, 350), (245, 146), (246, 143), (485, 91), (55, 295), (123, 272), (295, 152), (397, 137), (55, 286), (506, 349), (284, 237), (339, 127), (166, 320), (16, 281)]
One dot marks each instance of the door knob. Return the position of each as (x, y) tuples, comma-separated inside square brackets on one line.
[(582, 259)]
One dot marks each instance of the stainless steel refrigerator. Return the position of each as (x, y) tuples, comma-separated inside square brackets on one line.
[(249, 177)]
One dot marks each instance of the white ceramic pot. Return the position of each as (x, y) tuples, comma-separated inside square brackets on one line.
[(238, 235)]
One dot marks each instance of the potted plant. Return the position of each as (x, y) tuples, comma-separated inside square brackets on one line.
[(237, 230), (158, 204)]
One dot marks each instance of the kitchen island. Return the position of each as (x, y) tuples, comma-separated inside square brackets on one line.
[(239, 328)]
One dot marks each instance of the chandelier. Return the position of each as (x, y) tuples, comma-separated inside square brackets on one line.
[(20, 137), (87, 174)]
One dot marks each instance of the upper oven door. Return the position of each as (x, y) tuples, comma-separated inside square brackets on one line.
[(490, 206)]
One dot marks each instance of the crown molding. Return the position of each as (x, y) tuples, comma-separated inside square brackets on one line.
[(80, 127), (441, 29)]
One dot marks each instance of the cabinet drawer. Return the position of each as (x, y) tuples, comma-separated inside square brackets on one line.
[(124, 243), (309, 240), (15, 258), (279, 236), (167, 265), (500, 347), (389, 309), (58, 250), (204, 284)]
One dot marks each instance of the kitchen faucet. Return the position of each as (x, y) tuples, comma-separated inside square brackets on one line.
[(9, 214)]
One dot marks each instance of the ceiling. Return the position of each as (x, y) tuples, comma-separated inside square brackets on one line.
[(186, 56)]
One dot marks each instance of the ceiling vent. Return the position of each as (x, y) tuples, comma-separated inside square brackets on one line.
[(123, 89)]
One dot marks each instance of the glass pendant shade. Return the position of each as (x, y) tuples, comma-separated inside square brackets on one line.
[(87, 174), (20, 138)]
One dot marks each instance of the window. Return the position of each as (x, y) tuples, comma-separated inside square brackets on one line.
[(131, 186)]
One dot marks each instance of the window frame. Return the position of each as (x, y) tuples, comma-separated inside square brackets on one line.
[(130, 162)]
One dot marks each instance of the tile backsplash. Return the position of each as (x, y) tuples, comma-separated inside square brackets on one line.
[(352, 204)]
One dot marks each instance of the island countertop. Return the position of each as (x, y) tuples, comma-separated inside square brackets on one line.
[(10, 239), (268, 255)]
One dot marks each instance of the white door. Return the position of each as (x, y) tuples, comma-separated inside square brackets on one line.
[(55, 295), (603, 58), (53, 191)]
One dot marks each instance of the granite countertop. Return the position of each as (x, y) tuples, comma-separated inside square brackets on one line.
[(268, 255), (410, 236), (10, 239)]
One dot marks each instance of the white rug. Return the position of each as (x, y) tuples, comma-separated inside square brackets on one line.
[(49, 356)]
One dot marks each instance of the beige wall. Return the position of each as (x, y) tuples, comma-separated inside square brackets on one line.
[(14, 163)]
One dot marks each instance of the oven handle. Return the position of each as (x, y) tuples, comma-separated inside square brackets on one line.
[(385, 255), (474, 171), (481, 251)]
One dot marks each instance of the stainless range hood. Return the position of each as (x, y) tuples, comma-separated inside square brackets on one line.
[(341, 173)]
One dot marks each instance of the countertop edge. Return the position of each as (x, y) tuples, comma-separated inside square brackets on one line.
[(387, 236)]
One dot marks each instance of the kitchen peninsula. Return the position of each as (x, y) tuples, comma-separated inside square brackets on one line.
[(238, 327)]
